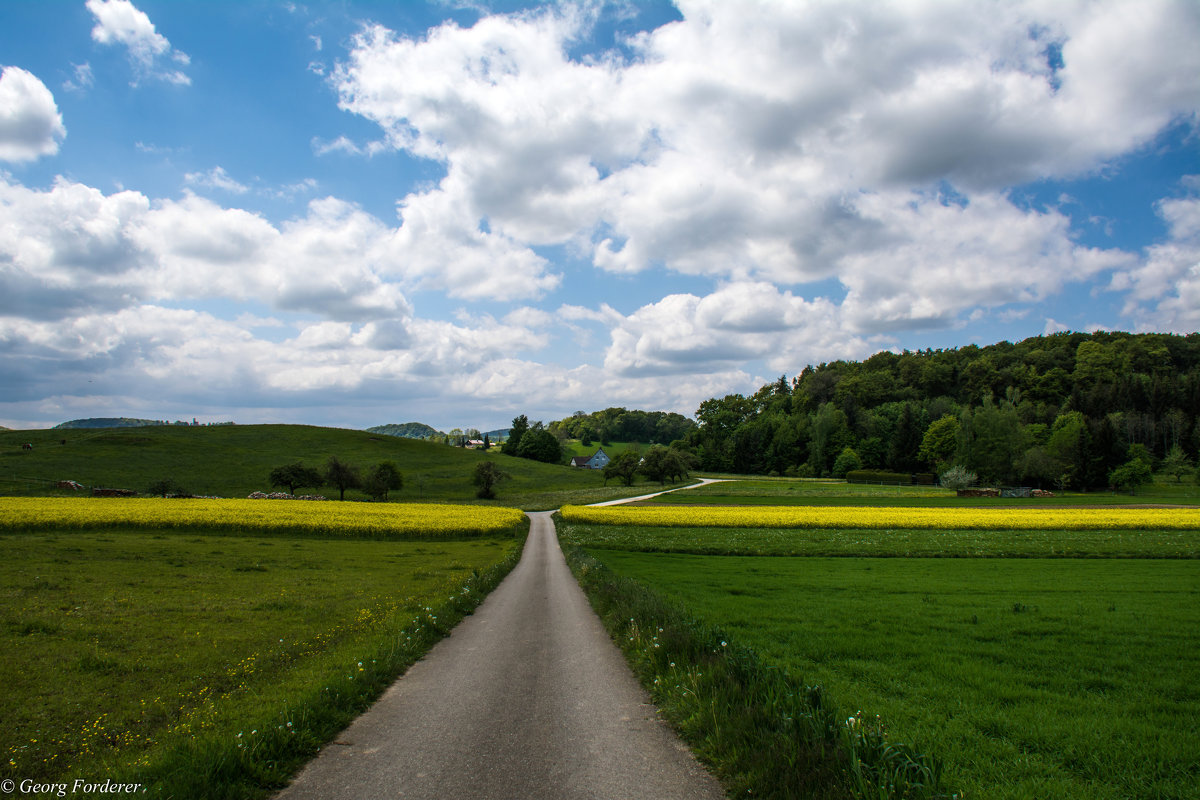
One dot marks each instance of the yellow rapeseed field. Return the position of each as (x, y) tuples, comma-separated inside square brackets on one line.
[(885, 518), (380, 520)]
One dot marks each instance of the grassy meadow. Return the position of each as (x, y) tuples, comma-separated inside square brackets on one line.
[(213, 663), (1027, 664), (235, 460), (822, 492)]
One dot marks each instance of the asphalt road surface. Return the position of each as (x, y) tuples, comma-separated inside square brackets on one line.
[(527, 698)]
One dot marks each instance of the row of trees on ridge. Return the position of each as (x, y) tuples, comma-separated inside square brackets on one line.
[(1068, 410)]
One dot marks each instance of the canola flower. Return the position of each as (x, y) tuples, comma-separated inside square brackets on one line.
[(383, 520), (884, 518)]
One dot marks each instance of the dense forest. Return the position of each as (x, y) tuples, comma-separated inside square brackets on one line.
[(623, 425), (1062, 410)]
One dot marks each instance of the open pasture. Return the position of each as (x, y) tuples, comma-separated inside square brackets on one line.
[(891, 518), (211, 663), (1030, 679)]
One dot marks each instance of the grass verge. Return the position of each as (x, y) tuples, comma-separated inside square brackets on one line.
[(213, 666), (760, 731)]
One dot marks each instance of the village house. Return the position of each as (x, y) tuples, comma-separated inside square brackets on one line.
[(597, 460)]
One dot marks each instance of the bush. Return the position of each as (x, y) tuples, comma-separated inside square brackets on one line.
[(958, 478), (165, 488), (876, 476)]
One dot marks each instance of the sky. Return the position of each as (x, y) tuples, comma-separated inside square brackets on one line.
[(360, 213)]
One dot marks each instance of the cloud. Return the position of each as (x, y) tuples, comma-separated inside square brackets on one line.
[(739, 323), (30, 125), (216, 178), (121, 22), (72, 249), (1164, 289), (82, 78), (737, 145)]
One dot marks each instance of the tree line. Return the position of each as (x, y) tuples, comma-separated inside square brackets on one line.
[(1069, 410), (623, 425), (375, 482)]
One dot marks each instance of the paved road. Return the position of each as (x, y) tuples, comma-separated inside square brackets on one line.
[(701, 482), (528, 698)]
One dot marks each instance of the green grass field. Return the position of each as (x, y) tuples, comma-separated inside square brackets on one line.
[(1030, 678), (233, 461), (887, 543), (212, 665), (796, 491)]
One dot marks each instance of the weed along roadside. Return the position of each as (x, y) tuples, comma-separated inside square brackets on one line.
[(212, 664)]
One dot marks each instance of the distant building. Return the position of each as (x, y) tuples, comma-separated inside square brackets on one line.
[(597, 460)]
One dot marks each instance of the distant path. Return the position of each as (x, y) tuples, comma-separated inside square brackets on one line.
[(703, 482), (527, 698)]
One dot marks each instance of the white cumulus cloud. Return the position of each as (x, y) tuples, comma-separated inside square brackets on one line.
[(120, 22), (30, 125)]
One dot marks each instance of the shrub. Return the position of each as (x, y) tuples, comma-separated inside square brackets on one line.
[(875, 476), (958, 477), (165, 487)]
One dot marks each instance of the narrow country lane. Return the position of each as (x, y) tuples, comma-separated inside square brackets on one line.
[(527, 698)]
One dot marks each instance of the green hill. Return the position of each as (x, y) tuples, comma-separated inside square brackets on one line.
[(108, 422), (407, 430), (233, 461)]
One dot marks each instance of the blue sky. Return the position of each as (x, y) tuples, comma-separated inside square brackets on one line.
[(359, 213)]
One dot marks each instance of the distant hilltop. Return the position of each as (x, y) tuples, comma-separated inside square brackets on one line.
[(127, 422), (407, 430)]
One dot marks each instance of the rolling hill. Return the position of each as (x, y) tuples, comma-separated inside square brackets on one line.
[(233, 461), (407, 430)]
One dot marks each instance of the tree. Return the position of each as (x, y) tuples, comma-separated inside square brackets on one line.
[(847, 460), (1036, 465), (515, 434), (341, 476), (487, 442), (539, 444), (660, 463), (995, 439), (680, 461), (485, 477), (624, 466), (1130, 475), (940, 442), (295, 476), (1177, 464), (383, 477)]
